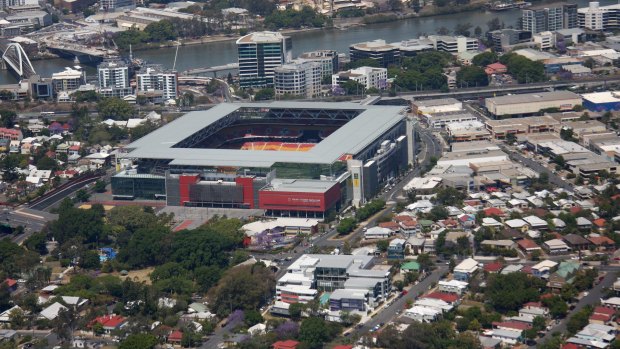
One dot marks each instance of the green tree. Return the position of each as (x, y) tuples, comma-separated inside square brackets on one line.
[(264, 94), (139, 341), (252, 317), (295, 310), (382, 245), (160, 31), (315, 332), (82, 195), (115, 108), (472, 76), (99, 186), (257, 282), (508, 292), (485, 58), (346, 225), (37, 243)]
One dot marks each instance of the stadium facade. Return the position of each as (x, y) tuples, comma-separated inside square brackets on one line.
[(300, 159)]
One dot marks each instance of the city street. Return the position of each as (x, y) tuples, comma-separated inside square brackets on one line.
[(537, 167), (594, 295), (389, 314)]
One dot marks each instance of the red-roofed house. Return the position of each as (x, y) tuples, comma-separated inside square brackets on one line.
[(409, 227), (570, 346), (403, 218), (512, 325), (604, 310), (11, 284), (600, 224), (494, 267), (393, 226), (528, 245), (450, 298), (287, 344), (175, 336), (495, 68), (575, 209), (109, 322), (602, 243), (599, 319), (493, 211), (343, 347), (13, 134)]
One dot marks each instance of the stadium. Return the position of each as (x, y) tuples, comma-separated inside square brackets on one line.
[(288, 158)]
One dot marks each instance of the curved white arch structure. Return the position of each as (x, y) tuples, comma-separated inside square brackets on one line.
[(16, 58)]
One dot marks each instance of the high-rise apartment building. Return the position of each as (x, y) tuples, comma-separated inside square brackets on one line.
[(328, 59), (549, 18), (158, 83), (259, 54), (598, 17), (298, 79), (113, 77)]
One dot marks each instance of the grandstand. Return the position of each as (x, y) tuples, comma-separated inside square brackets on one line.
[(228, 155)]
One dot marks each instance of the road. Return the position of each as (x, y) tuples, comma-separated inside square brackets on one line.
[(594, 295), (388, 314), (51, 200), (538, 168)]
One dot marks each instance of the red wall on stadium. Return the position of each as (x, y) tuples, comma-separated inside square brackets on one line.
[(184, 182), (248, 190), (298, 201)]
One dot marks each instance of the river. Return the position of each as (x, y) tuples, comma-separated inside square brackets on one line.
[(219, 53)]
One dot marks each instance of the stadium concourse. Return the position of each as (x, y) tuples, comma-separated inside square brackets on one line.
[(293, 159)]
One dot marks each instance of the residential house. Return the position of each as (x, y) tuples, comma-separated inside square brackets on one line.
[(51, 312), (377, 233), (583, 223), (576, 242), (411, 266), (536, 223), (109, 322), (13, 134), (5, 316), (601, 243), (348, 300), (518, 224), (493, 268), (564, 275), (512, 268), (600, 224), (11, 284), (534, 309), (450, 298), (409, 227), (422, 314), (544, 269), (415, 245), (499, 244), (508, 337), (396, 249), (452, 286), (287, 344), (464, 270), (556, 246), (528, 246)]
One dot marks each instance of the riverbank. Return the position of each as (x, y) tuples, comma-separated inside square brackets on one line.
[(339, 24)]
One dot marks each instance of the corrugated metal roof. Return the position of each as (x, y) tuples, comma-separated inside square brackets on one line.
[(351, 138)]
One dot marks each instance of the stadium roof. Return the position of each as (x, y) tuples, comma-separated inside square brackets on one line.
[(351, 138)]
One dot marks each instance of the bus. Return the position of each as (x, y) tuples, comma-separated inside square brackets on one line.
[(47, 113)]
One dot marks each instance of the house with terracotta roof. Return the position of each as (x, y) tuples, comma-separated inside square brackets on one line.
[(511, 325), (495, 68), (450, 298), (600, 224), (601, 243), (528, 246), (287, 344), (393, 226), (493, 268), (600, 319), (175, 337), (409, 227), (494, 211), (11, 284), (109, 322)]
